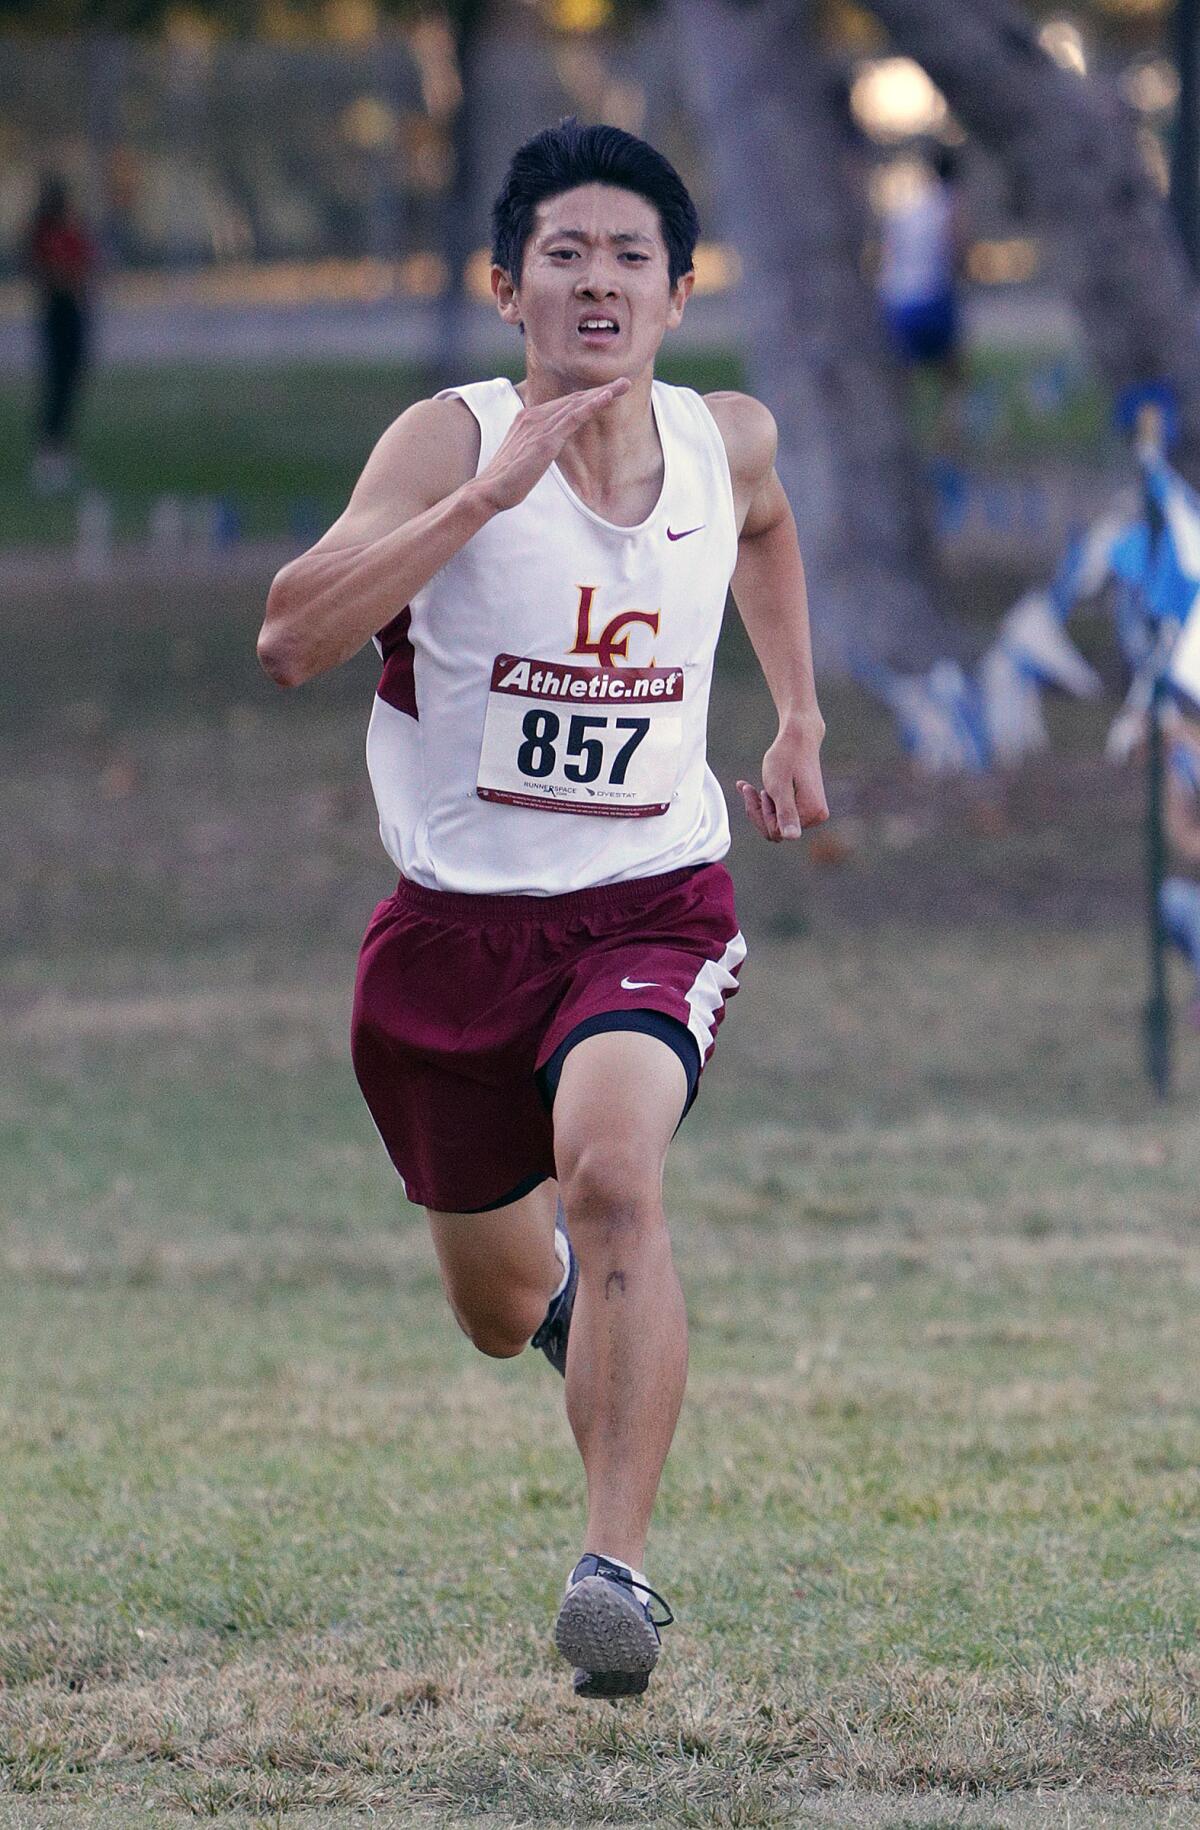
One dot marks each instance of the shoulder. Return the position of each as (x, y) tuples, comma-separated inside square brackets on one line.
[(443, 434), (425, 454), (431, 450), (749, 432)]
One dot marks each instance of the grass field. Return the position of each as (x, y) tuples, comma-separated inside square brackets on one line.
[(282, 446), (278, 1547)]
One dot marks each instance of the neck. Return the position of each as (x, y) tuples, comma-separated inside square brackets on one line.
[(619, 443)]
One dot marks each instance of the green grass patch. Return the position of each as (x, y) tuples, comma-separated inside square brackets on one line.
[(1025, 406), (281, 445)]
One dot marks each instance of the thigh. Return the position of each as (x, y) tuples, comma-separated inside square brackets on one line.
[(444, 1038), (482, 1256), (620, 1098)]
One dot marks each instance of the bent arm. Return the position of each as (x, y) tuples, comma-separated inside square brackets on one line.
[(417, 502), (415, 505), (772, 599)]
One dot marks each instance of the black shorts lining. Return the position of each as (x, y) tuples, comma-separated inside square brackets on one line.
[(677, 1036), (514, 1194)]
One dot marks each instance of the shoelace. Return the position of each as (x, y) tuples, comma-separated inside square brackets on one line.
[(605, 1568)]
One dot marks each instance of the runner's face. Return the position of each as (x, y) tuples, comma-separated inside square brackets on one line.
[(594, 295)]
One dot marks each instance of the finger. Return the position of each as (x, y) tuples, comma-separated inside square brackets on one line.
[(783, 795), (581, 399), (569, 414), (771, 816), (811, 802), (752, 802), (593, 400), (574, 409)]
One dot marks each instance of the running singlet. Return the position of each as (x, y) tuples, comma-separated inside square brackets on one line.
[(540, 722)]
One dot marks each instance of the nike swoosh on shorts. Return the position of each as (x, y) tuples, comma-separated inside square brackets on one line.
[(638, 984)]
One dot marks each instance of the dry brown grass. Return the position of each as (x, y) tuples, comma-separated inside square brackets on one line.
[(329, 1725)]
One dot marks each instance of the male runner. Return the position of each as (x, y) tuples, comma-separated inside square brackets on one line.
[(544, 571)]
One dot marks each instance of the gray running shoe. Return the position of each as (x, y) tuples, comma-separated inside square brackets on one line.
[(551, 1337), (606, 1631)]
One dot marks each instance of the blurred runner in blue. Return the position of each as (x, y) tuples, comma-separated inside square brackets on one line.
[(921, 261)]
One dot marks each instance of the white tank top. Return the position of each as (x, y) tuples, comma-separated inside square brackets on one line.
[(482, 761)]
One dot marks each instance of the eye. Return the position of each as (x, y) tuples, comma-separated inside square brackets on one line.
[(563, 253), (631, 256)]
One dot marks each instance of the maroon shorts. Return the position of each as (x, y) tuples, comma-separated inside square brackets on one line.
[(464, 1003)]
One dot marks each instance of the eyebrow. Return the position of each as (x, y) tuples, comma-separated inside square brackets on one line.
[(622, 235)]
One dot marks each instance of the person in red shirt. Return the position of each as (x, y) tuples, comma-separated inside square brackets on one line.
[(60, 259)]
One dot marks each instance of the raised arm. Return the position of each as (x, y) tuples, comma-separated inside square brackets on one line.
[(417, 502), (772, 599), (412, 508)]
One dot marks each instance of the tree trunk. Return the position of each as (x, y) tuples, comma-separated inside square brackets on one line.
[(451, 359), (780, 156), (1070, 147)]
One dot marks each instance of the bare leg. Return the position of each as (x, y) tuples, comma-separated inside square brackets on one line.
[(617, 1106), (499, 1269)]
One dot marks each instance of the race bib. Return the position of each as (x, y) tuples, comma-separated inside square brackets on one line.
[(568, 739)]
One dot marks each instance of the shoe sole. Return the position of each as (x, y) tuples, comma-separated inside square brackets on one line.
[(607, 1638), (610, 1683)]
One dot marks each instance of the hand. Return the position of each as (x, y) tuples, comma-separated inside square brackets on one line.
[(536, 437), (792, 796)]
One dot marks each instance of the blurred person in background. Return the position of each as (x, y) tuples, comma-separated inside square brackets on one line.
[(1181, 895), (60, 258), (922, 256)]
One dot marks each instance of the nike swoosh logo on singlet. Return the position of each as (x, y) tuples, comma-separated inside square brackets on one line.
[(686, 532)]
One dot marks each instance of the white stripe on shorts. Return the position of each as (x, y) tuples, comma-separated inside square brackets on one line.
[(715, 979)]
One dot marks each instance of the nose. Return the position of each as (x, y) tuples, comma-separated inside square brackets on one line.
[(596, 281)]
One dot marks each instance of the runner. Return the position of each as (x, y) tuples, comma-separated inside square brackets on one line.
[(544, 570)]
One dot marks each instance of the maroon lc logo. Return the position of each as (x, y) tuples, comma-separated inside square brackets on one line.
[(606, 647)]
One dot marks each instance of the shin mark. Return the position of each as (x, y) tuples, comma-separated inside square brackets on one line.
[(614, 1280)]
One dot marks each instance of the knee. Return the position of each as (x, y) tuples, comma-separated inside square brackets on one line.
[(496, 1344), (501, 1335), (610, 1190)]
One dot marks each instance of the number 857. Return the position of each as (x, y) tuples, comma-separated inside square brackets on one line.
[(538, 755)]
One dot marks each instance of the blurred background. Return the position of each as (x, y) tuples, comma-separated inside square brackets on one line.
[(936, 1217)]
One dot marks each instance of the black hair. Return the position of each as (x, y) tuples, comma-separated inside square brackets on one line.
[(559, 158)]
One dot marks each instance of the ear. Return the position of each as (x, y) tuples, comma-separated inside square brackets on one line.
[(505, 295), (681, 292)]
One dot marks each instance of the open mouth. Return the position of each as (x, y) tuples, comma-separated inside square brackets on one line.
[(598, 326)]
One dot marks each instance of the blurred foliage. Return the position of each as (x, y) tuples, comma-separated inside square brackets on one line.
[(345, 20), (234, 18), (850, 22)]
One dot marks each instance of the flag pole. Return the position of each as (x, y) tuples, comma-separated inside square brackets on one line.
[(1158, 1006), (1151, 437)]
